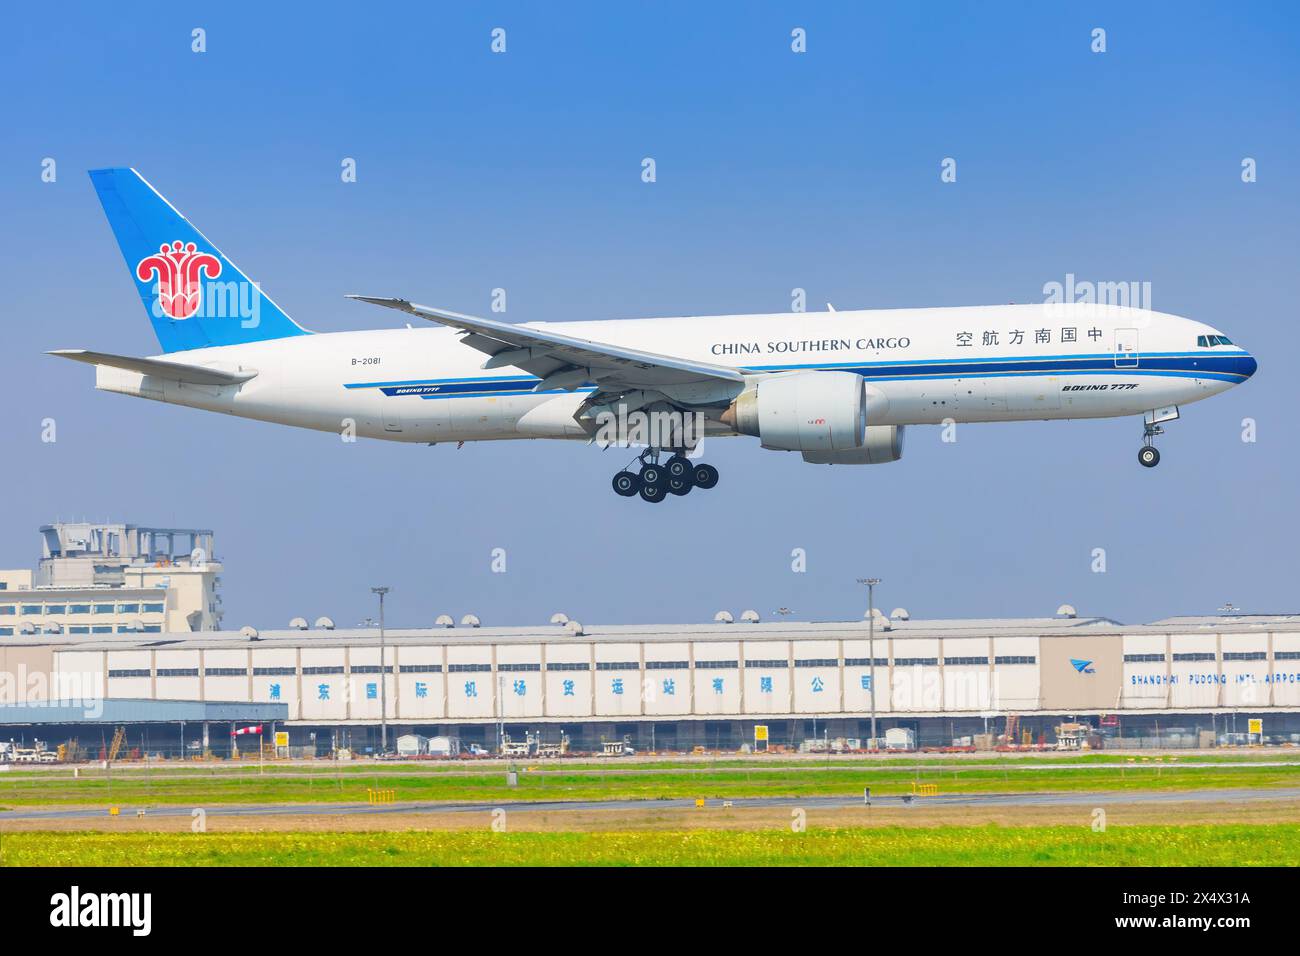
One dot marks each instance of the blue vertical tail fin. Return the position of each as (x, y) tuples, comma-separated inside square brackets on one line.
[(194, 295)]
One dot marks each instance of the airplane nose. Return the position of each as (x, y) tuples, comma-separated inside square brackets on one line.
[(1249, 365)]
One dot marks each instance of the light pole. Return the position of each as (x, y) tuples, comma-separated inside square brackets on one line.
[(383, 676), (871, 647)]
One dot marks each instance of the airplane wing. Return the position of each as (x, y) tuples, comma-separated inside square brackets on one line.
[(176, 371), (562, 361)]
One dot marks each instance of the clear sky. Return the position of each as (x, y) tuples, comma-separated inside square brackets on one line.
[(775, 170)]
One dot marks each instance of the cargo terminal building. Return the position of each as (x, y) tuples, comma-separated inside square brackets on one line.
[(675, 687)]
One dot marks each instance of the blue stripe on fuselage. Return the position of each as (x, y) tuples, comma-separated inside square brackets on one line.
[(1229, 367)]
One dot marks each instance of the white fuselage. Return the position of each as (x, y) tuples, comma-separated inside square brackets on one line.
[(976, 364)]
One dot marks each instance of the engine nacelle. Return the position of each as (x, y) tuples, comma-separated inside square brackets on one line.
[(883, 443), (820, 412)]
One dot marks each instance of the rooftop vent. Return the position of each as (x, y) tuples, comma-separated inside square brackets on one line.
[(444, 620), (470, 620), (325, 623), (750, 616), (1066, 610), (723, 617), (900, 614), (574, 628), (298, 624), (559, 617), (249, 633)]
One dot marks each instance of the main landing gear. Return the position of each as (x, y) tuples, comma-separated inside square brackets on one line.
[(654, 482)]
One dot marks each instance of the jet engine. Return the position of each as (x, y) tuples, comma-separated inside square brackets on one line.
[(821, 414), (883, 443)]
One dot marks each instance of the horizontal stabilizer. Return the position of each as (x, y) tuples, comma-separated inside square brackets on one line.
[(175, 371)]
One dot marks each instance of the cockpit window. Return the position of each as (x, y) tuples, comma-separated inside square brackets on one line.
[(1209, 341), (1223, 340)]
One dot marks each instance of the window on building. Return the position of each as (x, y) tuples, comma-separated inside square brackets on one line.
[(1197, 656), (518, 668), (78, 608), (817, 662), (715, 665), (618, 666), (667, 665), (153, 628), (230, 671), (468, 668), (1245, 655), (128, 608), (153, 608), (105, 609), (7, 609), (1143, 658), (1016, 659), (966, 660), (773, 662), (30, 609), (178, 672), (420, 669), (101, 629), (865, 662), (6, 632), (371, 669), (915, 661), (568, 666), (331, 669), (56, 609), (130, 672), (79, 629), (1286, 655)]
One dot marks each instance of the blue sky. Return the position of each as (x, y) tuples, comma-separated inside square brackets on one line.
[(776, 170)]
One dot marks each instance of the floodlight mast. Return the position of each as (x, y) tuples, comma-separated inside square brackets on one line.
[(871, 647)]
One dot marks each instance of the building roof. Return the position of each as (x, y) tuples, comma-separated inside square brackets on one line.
[(653, 633)]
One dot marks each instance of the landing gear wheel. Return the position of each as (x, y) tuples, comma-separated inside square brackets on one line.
[(652, 474), (653, 493), (1149, 457), (680, 486), (627, 484), (706, 476), (678, 466)]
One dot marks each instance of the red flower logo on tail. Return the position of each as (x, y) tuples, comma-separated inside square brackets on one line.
[(179, 268)]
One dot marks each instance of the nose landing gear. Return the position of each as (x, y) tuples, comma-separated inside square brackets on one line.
[(1148, 455), (654, 482)]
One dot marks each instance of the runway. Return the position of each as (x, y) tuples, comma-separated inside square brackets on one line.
[(985, 800)]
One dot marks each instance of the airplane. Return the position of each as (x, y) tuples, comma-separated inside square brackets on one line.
[(839, 387)]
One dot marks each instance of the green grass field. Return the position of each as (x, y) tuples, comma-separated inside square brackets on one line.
[(1217, 845), (197, 786)]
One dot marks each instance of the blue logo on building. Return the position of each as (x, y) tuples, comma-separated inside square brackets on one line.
[(1083, 667)]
